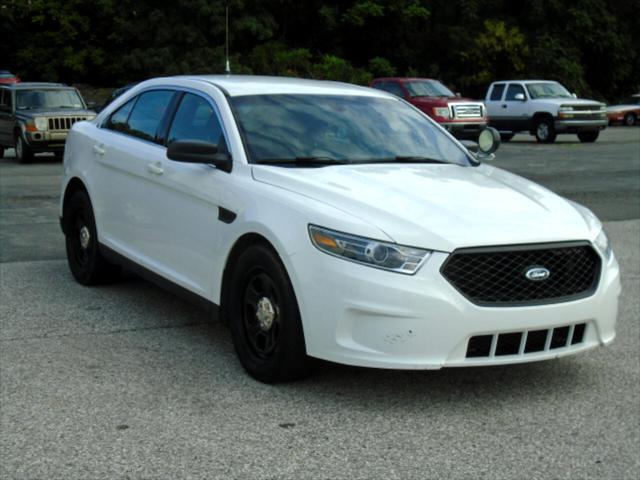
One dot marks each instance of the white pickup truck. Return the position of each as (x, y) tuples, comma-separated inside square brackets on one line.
[(544, 109)]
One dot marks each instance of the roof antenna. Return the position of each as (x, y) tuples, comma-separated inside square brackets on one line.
[(227, 68)]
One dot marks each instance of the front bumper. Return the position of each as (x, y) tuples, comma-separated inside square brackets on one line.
[(465, 130), (363, 316), (577, 126), (45, 141)]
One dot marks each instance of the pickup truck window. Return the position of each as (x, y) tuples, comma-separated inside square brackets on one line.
[(512, 91), (390, 87), (547, 90), (496, 93), (428, 88)]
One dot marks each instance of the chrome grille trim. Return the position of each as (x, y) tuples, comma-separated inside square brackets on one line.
[(467, 110)]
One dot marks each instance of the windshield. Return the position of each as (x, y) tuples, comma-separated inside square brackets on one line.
[(547, 90), (32, 99), (340, 128), (428, 88)]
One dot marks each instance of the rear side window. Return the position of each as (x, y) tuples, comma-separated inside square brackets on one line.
[(513, 90), (496, 93), (195, 119), (147, 114)]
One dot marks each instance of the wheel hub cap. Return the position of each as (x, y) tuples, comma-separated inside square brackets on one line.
[(85, 237), (543, 131), (265, 313)]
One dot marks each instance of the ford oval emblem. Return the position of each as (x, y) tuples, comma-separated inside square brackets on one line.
[(537, 274)]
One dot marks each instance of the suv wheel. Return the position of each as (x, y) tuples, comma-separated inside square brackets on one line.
[(629, 119), (264, 318), (545, 131), (588, 137), (86, 263), (23, 152)]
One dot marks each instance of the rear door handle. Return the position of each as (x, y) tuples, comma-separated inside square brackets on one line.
[(155, 168), (504, 105), (99, 150)]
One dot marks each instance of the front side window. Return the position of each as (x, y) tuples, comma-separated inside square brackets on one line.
[(496, 93), (428, 88), (354, 129), (512, 91), (195, 119), (48, 99), (118, 120), (547, 90), (147, 113), (390, 87)]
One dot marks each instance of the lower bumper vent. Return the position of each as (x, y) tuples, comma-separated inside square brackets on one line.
[(522, 343)]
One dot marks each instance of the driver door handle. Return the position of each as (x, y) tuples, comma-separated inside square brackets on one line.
[(99, 150), (504, 105), (155, 168)]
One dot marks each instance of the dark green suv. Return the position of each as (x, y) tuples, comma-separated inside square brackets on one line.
[(36, 117)]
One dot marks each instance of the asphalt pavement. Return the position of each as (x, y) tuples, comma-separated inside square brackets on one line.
[(127, 381)]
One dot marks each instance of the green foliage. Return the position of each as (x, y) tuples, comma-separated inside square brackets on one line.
[(591, 46)]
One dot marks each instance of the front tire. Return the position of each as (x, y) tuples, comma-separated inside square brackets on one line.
[(588, 137), (23, 151), (545, 131), (86, 263), (264, 318), (630, 119)]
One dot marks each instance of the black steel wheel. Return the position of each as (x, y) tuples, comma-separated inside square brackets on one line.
[(86, 263), (264, 318), (23, 152), (545, 130), (630, 119), (588, 137)]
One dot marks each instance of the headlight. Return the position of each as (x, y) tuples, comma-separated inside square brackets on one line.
[(441, 112), (387, 256), (41, 123), (602, 242)]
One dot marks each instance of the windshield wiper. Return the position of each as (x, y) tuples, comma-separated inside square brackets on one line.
[(303, 161), (404, 159)]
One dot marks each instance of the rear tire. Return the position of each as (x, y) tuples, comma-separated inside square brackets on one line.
[(23, 151), (588, 137), (630, 119), (86, 263), (264, 318), (544, 130)]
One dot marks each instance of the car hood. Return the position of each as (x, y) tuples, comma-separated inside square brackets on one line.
[(67, 112), (440, 207), (576, 102)]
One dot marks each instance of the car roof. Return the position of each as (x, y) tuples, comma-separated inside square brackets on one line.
[(28, 85), (241, 85), (525, 81), (403, 79)]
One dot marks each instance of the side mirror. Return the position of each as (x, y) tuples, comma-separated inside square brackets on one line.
[(93, 106), (458, 94), (192, 151), (488, 143), (573, 95), (520, 96)]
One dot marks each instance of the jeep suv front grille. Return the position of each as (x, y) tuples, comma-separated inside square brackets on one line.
[(63, 123), (508, 276), (467, 110)]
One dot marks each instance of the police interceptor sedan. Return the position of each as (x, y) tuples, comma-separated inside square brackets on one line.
[(325, 220)]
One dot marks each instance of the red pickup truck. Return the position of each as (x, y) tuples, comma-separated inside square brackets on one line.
[(463, 117)]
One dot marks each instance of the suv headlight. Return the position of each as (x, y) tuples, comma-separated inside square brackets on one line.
[(442, 112), (41, 123), (602, 243), (366, 251)]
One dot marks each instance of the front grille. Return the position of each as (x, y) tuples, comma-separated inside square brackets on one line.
[(498, 276), (523, 343), (63, 123), (467, 111)]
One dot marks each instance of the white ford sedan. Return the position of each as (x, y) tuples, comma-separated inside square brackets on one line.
[(332, 221)]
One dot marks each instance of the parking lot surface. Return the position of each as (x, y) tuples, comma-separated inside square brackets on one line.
[(127, 381)]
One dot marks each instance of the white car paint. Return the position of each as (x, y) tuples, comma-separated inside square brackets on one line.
[(351, 313)]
